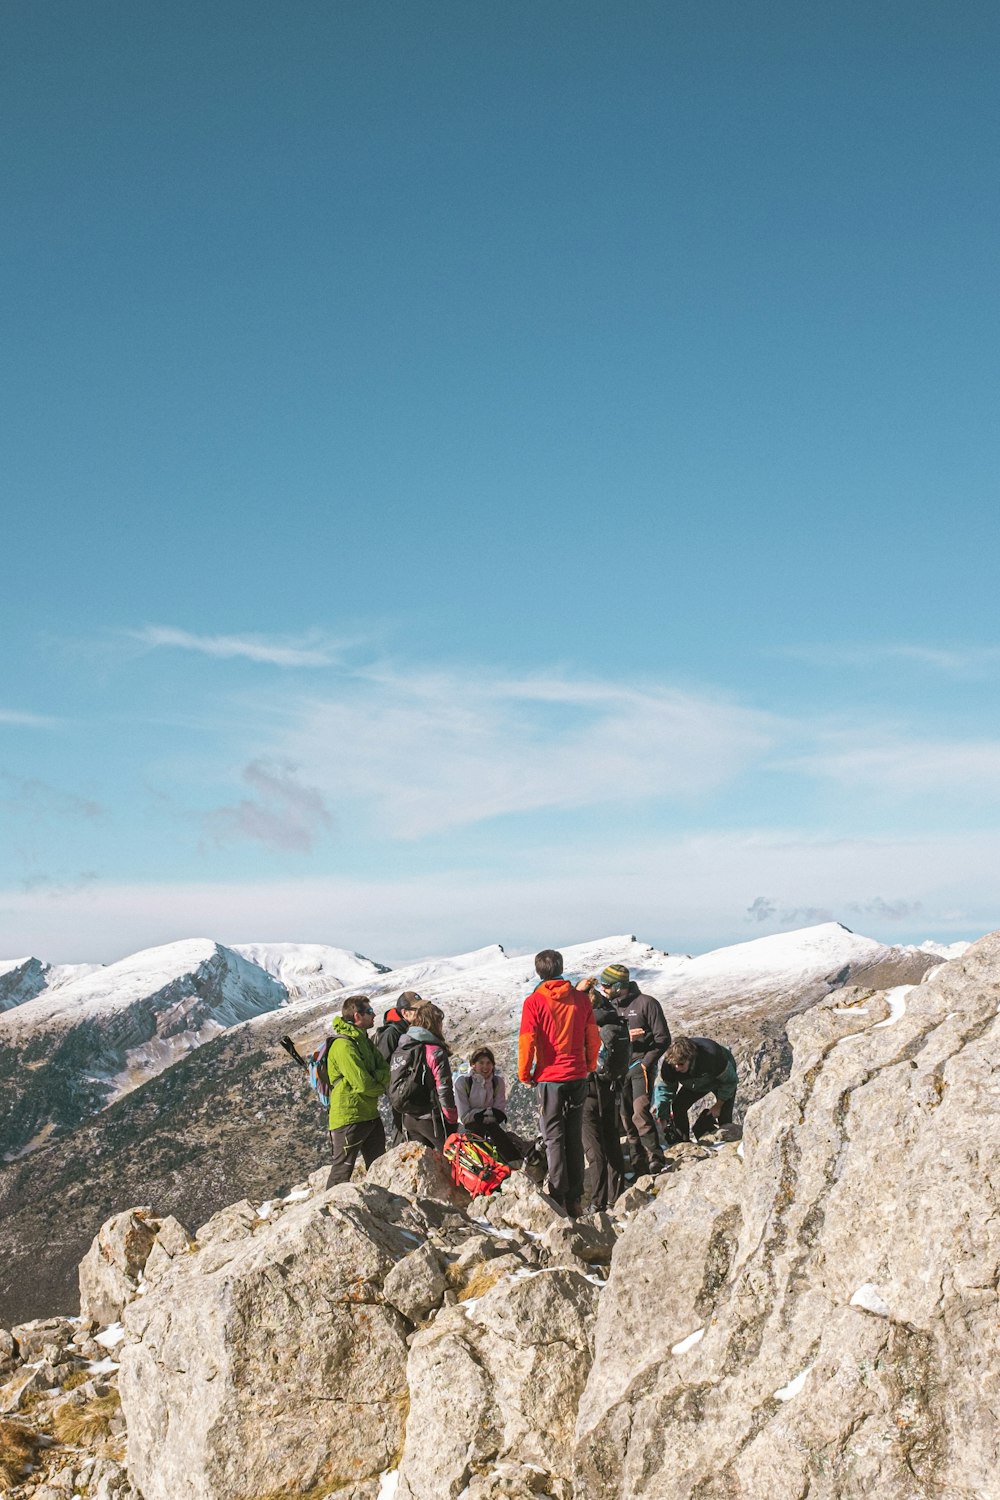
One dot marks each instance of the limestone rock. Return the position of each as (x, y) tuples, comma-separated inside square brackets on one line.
[(43, 1338), (498, 1380), (417, 1172), (416, 1284), (819, 1316), (521, 1204), (589, 1240), (37, 1377), (109, 1272), (279, 1369), (8, 1352)]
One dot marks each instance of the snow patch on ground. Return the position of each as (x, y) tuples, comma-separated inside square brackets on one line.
[(896, 1001), (870, 1299), (689, 1342), (793, 1388)]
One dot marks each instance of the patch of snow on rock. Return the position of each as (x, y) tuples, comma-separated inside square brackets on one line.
[(689, 1342), (868, 1297)]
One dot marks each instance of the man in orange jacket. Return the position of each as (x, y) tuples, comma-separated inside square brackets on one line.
[(557, 1051)]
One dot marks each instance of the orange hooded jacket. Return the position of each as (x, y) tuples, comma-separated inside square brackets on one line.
[(559, 1040)]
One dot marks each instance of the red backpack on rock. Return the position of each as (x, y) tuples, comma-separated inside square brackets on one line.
[(475, 1166)]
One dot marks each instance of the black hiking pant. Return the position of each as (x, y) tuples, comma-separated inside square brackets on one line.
[(640, 1125), (428, 1129), (560, 1119), (509, 1147), (601, 1144), (366, 1136), (686, 1097)]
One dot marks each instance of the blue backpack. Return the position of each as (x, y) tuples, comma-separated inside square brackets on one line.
[(319, 1077)]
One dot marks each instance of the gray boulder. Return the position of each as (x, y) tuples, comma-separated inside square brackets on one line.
[(417, 1172), (270, 1361), (416, 1284), (498, 1380), (110, 1271)]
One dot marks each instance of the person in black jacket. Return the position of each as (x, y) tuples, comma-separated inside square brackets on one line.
[(602, 1147), (650, 1036), (395, 1023), (692, 1067)]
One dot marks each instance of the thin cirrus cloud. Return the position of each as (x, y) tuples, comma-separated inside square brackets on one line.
[(959, 662), (434, 751), (906, 767), (18, 718), (305, 651), (280, 811)]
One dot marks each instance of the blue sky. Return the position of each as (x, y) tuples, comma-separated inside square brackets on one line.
[(482, 473)]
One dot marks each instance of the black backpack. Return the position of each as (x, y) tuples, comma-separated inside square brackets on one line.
[(411, 1085), (616, 1051)]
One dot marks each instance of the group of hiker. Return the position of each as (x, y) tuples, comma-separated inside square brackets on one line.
[(599, 1055)]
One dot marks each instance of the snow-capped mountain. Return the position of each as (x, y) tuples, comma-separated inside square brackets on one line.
[(309, 970), (78, 1045)]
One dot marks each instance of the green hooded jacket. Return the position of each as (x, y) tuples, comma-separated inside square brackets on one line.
[(358, 1075)]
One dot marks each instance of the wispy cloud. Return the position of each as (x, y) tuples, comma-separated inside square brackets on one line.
[(428, 752), (282, 813), (958, 662), (30, 797), (904, 767), (303, 651), (17, 717)]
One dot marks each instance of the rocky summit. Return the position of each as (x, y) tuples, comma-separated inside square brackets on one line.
[(809, 1311)]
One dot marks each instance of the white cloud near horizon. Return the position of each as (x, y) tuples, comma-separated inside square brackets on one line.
[(686, 893), (308, 651)]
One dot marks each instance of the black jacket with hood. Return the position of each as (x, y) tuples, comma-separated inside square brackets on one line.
[(645, 1013)]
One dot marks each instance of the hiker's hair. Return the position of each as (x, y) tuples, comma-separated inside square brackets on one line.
[(431, 1017), (548, 964), (351, 1006), (479, 1054), (408, 999), (682, 1050)]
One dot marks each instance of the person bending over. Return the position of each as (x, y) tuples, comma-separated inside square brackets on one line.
[(692, 1067)]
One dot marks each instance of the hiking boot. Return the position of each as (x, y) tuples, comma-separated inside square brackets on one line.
[(574, 1208)]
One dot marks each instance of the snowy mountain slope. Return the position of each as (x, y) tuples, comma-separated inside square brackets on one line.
[(723, 988), (75, 1048), (309, 970)]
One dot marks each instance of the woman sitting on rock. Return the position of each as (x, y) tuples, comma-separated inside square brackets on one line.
[(481, 1096), (420, 1081)]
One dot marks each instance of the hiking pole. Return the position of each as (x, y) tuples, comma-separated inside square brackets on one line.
[(292, 1050)]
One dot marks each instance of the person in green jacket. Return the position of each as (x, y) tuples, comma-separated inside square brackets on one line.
[(358, 1076)]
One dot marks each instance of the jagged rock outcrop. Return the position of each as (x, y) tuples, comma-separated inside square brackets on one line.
[(819, 1316), (21, 979)]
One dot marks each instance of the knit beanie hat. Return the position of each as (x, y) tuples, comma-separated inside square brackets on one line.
[(614, 974)]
